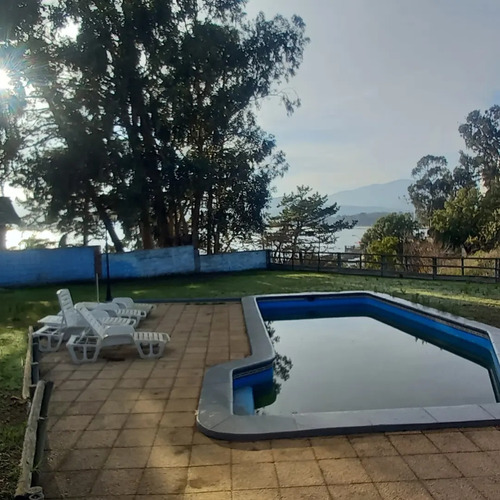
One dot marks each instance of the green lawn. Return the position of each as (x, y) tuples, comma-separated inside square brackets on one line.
[(20, 308)]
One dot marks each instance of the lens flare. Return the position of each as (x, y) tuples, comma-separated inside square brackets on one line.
[(5, 82)]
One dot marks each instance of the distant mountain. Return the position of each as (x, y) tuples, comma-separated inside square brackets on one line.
[(377, 199)]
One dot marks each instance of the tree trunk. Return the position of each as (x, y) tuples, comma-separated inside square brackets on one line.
[(195, 220)]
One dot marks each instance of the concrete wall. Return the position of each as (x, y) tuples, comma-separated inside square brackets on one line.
[(148, 263), (37, 267), (235, 261)]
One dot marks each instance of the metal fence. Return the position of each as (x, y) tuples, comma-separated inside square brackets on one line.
[(411, 266)]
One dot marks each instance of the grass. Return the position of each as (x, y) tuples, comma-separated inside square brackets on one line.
[(20, 308)]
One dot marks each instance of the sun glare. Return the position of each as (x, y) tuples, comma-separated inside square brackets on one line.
[(5, 82)]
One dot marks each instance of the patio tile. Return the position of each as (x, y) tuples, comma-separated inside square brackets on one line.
[(452, 489), (413, 444), (131, 383), (152, 393), (432, 466), (169, 456), (72, 423), (487, 440), (403, 491), (159, 383), (449, 442), (474, 464), (175, 405), (97, 439), (305, 493), (143, 420), (209, 454), (72, 385), (187, 382), (94, 395), (117, 482), (148, 406), (254, 476), (241, 456), (128, 458), (293, 454), (81, 375), (84, 408), (107, 422), (64, 395), (305, 473), (178, 419), (343, 471), (62, 440), (84, 459), (488, 486), (135, 437), (334, 447), (52, 460), (267, 494), (363, 491), (174, 436), (102, 384), (383, 469), (184, 393), (124, 394), (110, 407), (58, 408), (209, 478), (163, 481), (374, 445), (68, 484)]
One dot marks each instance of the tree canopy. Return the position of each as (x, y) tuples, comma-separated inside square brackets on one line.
[(147, 109)]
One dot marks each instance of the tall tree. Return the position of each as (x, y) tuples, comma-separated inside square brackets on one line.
[(152, 106), (432, 186), (481, 133), (304, 220)]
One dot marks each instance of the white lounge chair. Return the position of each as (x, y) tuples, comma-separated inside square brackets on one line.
[(114, 309), (85, 347), (127, 302), (57, 327)]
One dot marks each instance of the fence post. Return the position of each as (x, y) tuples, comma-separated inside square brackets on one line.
[(293, 261), (434, 267), (497, 270), (339, 261), (463, 266), (319, 261)]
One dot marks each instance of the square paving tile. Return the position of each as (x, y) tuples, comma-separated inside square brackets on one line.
[(97, 439), (177, 435), (474, 464), (84, 408), (305, 493), (142, 420), (452, 489), (210, 454), (413, 444), (488, 439), (432, 466), (68, 484), (136, 437), (488, 486), (364, 491), (169, 456), (449, 442), (117, 482), (343, 471), (84, 459), (267, 494), (374, 445), (107, 422), (403, 490), (209, 478), (128, 458), (176, 405), (334, 447), (305, 473), (178, 419), (62, 440), (72, 423), (254, 476), (118, 406), (383, 469)]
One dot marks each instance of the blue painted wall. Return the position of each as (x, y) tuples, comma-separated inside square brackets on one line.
[(236, 261), (148, 263), (37, 267)]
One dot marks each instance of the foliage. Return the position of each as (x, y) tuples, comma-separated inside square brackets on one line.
[(150, 112), (304, 221), (33, 242), (396, 230), (481, 133), (433, 184)]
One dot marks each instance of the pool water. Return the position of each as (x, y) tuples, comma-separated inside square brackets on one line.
[(359, 363)]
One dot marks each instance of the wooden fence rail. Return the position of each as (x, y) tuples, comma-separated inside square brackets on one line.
[(411, 266)]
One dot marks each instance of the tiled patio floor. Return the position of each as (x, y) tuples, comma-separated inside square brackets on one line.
[(124, 428)]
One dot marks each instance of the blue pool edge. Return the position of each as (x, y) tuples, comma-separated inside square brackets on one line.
[(216, 418)]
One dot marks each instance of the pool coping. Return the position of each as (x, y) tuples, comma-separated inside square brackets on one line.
[(216, 419)]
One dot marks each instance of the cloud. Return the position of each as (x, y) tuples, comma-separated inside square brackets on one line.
[(382, 84)]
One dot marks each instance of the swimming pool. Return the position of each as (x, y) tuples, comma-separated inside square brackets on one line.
[(352, 362)]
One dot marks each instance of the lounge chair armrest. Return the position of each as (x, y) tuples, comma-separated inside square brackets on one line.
[(120, 330)]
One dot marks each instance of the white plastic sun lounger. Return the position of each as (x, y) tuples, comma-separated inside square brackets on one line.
[(57, 327), (85, 347), (127, 302), (114, 309)]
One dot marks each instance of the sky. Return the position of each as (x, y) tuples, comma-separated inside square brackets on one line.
[(383, 83)]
